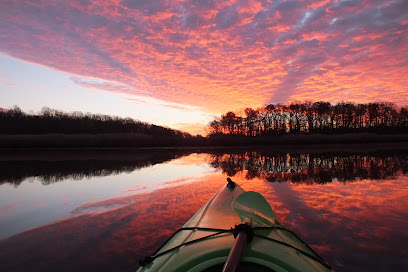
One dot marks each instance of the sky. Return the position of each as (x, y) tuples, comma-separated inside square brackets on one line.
[(181, 63)]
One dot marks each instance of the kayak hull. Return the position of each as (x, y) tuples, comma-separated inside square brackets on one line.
[(204, 242)]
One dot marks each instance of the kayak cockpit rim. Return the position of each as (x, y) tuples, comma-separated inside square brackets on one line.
[(149, 259)]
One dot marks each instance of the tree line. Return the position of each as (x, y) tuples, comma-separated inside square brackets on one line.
[(52, 121), (311, 118)]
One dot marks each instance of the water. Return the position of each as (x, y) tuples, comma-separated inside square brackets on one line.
[(106, 209)]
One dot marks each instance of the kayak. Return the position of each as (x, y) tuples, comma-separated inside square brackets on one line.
[(234, 231)]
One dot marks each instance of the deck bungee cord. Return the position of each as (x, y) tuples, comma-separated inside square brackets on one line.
[(148, 259)]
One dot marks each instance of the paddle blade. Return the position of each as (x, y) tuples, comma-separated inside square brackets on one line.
[(253, 208)]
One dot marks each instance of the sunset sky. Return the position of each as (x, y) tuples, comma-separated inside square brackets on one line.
[(180, 63)]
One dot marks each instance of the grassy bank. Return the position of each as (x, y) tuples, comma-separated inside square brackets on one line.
[(114, 140), (137, 140), (308, 139)]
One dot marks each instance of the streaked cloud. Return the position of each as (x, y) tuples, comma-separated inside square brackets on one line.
[(193, 128), (105, 85), (218, 55), (6, 82), (156, 102)]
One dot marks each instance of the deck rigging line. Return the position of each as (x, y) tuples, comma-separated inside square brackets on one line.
[(148, 259)]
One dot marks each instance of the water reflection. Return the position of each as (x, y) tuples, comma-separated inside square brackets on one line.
[(354, 226), (312, 167), (31, 204), (129, 228), (50, 166)]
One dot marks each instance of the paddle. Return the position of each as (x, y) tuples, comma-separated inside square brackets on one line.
[(254, 210)]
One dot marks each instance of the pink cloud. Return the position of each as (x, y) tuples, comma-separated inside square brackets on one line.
[(6, 82), (9, 207), (218, 55), (104, 85)]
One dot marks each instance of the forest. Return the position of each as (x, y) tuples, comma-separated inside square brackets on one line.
[(15, 121), (313, 118), (306, 123), (52, 128)]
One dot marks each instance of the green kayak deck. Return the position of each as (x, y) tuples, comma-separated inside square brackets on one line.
[(205, 241)]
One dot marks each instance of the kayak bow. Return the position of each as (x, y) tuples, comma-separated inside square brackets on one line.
[(234, 231)]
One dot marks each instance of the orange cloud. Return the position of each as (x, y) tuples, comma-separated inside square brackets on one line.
[(194, 129), (219, 55), (318, 4)]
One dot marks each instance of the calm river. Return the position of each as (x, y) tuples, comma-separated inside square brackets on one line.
[(103, 210)]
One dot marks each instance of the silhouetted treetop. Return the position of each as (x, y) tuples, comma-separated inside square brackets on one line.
[(15, 121), (313, 117)]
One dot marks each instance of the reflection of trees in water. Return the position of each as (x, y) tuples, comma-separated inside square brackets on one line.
[(49, 171), (312, 168)]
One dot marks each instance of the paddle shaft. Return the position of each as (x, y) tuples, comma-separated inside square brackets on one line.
[(235, 254)]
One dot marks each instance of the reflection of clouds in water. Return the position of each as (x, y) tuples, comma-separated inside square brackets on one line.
[(192, 159), (358, 225), (340, 221), (136, 189), (128, 228), (159, 173), (184, 180), (117, 202), (6, 209), (356, 217), (102, 206)]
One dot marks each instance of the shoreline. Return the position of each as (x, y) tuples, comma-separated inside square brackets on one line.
[(125, 153), (137, 141)]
